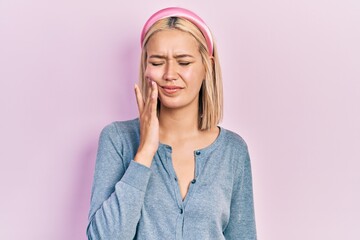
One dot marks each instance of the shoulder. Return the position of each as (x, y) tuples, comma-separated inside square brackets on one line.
[(236, 149), (121, 128), (234, 141), (121, 132)]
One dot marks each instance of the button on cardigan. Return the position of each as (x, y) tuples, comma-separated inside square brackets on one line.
[(132, 201)]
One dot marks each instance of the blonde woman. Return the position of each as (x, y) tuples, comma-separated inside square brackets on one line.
[(173, 173)]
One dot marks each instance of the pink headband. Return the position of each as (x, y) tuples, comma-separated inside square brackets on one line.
[(180, 12)]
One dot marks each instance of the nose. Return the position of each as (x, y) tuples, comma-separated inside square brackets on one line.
[(171, 73)]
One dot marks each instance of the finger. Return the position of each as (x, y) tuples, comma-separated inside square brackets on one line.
[(154, 97), (149, 91), (139, 99)]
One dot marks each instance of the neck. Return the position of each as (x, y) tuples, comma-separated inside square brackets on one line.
[(177, 124)]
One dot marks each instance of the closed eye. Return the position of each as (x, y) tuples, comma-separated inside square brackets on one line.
[(184, 63), (156, 63)]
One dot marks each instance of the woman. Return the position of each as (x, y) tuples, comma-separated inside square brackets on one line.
[(173, 173)]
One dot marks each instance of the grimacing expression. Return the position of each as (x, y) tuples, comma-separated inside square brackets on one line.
[(175, 64)]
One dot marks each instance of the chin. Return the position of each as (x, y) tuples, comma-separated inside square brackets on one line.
[(177, 102), (171, 105)]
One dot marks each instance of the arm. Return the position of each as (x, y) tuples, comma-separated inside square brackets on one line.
[(117, 193), (242, 218)]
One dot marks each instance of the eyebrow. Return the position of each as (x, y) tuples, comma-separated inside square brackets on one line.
[(176, 56)]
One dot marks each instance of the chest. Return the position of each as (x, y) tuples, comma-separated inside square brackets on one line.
[(184, 176), (184, 166), (171, 186)]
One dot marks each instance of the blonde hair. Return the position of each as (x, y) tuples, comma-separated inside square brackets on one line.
[(211, 92)]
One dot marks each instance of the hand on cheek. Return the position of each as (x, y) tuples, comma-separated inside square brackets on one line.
[(149, 124)]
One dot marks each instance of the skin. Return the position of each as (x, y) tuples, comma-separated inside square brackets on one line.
[(175, 72)]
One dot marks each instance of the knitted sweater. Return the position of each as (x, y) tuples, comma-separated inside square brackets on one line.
[(132, 201)]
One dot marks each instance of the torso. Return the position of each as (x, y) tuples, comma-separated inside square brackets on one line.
[(162, 216), (183, 157)]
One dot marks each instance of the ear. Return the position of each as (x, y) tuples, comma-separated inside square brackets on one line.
[(212, 60)]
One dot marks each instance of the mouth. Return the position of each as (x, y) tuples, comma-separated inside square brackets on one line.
[(171, 89)]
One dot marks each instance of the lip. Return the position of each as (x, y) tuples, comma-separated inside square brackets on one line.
[(171, 89)]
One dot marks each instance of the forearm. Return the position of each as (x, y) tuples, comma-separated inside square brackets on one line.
[(117, 216)]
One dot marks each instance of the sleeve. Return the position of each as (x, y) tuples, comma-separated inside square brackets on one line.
[(117, 193), (241, 224)]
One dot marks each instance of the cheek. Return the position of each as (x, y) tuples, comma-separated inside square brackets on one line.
[(195, 75), (152, 73)]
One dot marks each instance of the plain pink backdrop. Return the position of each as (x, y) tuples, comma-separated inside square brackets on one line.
[(292, 90)]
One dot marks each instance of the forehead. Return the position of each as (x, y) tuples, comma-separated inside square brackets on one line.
[(173, 40)]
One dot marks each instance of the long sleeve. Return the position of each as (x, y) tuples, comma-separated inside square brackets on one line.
[(241, 224), (118, 190)]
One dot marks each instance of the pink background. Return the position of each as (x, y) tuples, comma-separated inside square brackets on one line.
[(292, 90)]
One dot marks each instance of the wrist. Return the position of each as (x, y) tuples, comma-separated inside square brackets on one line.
[(144, 158)]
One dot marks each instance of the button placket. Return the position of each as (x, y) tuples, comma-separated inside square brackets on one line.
[(173, 176)]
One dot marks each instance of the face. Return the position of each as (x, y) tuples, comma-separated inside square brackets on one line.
[(175, 64)]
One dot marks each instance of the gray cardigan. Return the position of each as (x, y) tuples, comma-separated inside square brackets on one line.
[(132, 201)]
